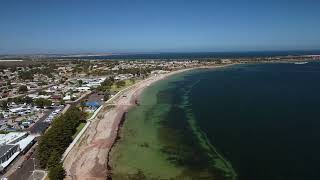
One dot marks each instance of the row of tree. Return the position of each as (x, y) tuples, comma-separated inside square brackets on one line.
[(136, 71), (56, 140), (40, 102), (28, 75), (105, 87), (23, 89)]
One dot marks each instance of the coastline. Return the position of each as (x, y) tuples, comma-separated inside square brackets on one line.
[(90, 157), (225, 162)]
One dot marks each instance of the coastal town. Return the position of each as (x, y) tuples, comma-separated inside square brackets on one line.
[(159, 90), (38, 96), (35, 93)]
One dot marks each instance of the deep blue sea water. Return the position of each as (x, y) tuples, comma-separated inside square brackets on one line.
[(165, 56), (263, 118), (246, 122)]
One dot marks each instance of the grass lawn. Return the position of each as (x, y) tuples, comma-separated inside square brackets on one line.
[(89, 115), (81, 125), (128, 83)]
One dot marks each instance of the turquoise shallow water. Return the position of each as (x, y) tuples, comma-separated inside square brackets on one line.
[(244, 122), (161, 138)]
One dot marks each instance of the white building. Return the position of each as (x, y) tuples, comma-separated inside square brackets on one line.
[(11, 145), (83, 89)]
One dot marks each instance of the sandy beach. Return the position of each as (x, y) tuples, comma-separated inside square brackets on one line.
[(88, 158)]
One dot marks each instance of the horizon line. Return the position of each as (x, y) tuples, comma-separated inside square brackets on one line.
[(85, 53)]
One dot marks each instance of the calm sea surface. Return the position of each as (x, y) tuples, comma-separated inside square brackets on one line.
[(165, 56), (247, 122)]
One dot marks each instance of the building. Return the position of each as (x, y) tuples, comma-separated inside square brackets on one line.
[(13, 144), (7, 154), (83, 89)]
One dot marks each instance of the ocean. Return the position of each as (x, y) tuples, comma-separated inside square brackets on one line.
[(246, 122), (199, 55)]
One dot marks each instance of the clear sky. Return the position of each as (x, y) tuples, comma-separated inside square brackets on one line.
[(61, 26)]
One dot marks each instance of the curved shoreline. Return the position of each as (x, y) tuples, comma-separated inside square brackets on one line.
[(90, 156), (231, 171), (109, 174)]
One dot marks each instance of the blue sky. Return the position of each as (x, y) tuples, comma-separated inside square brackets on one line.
[(61, 26)]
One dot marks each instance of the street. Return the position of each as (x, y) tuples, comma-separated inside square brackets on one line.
[(23, 168), (26, 168), (40, 126)]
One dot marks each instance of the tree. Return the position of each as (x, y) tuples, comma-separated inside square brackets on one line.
[(41, 102), (107, 82), (18, 100), (42, 93), (28, 100), (54, 159), (80, 82), (62, 102), (106, 96), (120, 83), (23, 89), (57, 172), (4, 105), (57, 138), (8, 83), (132, 80), (26, 75), (3, 132)]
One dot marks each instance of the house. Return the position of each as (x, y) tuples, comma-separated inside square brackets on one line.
[(67, 98), (56, 97), (83, 89), (3, 124)]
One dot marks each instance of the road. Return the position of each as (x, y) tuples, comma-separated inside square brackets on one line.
[(26, 166), (24, 172), (26, 169), (40, 126)]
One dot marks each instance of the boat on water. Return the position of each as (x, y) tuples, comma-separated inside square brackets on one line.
[(299, 63)]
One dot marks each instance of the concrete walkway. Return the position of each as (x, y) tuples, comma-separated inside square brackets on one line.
[(38, 175)]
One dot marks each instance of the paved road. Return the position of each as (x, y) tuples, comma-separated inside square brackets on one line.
[(26, 169), (40, 126), (38, 175), (27, 165)]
